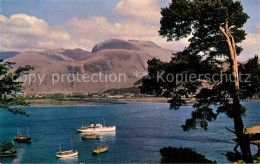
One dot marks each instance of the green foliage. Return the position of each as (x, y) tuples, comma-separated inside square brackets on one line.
[(251, 68), (7, 146), (234, 156), (201, 20), (10, 86), (217, 93), (182, 155)]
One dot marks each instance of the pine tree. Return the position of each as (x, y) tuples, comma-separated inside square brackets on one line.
[(214, 27)]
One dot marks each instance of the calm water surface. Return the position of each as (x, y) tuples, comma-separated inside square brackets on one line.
[(142, 129)]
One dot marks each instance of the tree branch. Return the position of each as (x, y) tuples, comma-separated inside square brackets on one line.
[(239, 62), (235, 149), (230, 130), (230, 47)]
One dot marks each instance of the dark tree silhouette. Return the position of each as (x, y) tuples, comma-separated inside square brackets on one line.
[(182, 155), (214, 28), (10, 86), (7, 146)]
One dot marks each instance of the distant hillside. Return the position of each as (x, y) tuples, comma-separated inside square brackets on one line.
[(108, 57), (153, 49), (146, 47), (65, 54), (114, 44), (8, 54)]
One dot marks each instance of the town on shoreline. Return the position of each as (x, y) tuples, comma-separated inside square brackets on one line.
[(101, 99)]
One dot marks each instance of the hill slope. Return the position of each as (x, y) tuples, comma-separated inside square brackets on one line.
[(154, 50), (114, 44), (111, 64)]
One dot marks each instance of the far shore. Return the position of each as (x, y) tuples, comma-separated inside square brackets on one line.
[(67, 102), (41, 102)]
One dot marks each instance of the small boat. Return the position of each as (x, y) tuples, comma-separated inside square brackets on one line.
[(69, 153), (64, 154), (8, 153), (91, 136), (102, 149), (21, 139), (96, 128)]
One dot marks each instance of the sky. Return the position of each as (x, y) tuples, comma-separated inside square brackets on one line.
[(51, 24)]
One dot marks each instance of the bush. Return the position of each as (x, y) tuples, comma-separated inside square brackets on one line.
[(182, 155), (7, 146)]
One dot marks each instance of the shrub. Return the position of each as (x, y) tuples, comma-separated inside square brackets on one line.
[(182, 155)]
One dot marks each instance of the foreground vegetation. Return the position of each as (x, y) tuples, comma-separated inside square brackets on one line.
[(182, 155), (214, 28)]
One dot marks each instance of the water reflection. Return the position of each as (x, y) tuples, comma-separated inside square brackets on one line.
[(69, 159), (111, 134), (8, 159), (108, 136)]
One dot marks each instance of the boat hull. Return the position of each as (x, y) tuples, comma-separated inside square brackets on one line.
[(24, 140), (68, 155), (8, 153), (102, 129), (100, 150)]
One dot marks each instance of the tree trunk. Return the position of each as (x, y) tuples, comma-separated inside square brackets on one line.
[(258, 152), (242, 139)]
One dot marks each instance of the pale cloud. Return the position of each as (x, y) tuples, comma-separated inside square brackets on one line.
[(22, 32), (141, 22), (145, 10), (99, 29), (94, 27), (251, 45)]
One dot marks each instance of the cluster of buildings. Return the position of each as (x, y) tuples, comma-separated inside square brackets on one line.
[(80, 95)]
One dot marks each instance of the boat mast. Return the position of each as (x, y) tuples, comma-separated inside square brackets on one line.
[(82, 124), (60, 147), (71, 145), (104, 122), (27, 132), (18, 133)]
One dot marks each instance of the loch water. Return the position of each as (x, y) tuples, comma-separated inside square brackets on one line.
[(142, 129)]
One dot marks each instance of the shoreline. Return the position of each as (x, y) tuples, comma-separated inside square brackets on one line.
[(42, 102), (48, 102)]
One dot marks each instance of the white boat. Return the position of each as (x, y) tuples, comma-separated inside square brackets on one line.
[(96, 128), (64, 154), (69, 153)]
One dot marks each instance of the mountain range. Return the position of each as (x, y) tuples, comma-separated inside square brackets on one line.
[(54, 69)]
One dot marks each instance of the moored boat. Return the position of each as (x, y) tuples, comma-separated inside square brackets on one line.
[(102, 149), (91, 136), (64, 154), (8, 153), (20, 138), (69, 153), (96, 128)]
